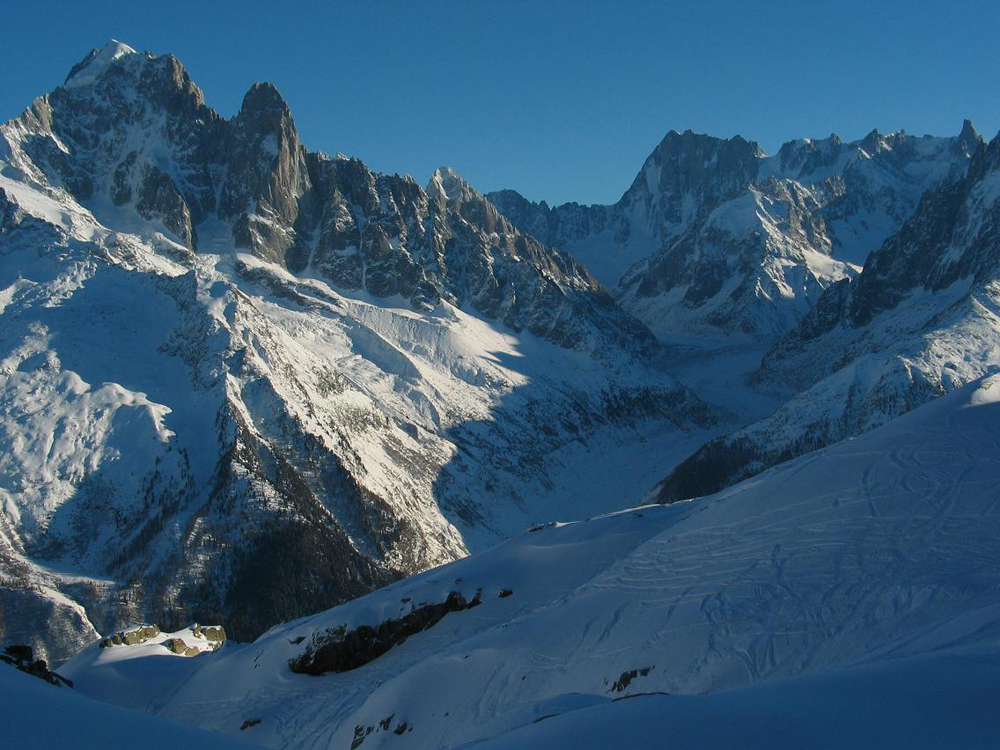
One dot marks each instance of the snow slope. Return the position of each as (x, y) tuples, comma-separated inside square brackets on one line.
[(816, 585), (930, 701), (44, 717)]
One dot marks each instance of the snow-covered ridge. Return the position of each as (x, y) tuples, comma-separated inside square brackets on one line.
[(96, 63)]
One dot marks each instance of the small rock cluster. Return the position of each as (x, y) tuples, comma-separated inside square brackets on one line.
[(626, 678), (214, 634), (361, 731), (131, 636)]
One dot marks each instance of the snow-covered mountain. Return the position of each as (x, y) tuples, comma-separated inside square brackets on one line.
[(849, 597), (241, 381), (714, 238), (921, 319)]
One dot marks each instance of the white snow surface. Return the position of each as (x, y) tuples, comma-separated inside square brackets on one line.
[(45, 717), (850, 596)]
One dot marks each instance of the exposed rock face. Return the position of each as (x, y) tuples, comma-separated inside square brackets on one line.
[(9, 214), (266, 175), (23, 658), (136, 134), (715, 238), (920, 320), (341, 650)]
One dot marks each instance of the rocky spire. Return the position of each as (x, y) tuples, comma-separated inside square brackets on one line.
[(969, 139), (266, 174), (446, 186)]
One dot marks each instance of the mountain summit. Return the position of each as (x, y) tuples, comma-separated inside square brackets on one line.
[(91, 67)]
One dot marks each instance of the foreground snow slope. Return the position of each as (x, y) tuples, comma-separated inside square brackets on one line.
[(37, 715), (931, 701), (873, 555)]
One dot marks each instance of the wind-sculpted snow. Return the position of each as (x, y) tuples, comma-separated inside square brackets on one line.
[(204, 416), (847, 570)]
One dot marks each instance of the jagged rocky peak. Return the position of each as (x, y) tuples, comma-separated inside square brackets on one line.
[(912, 257), (453, 194), (985, 159), (692, 170), (876, 143), (969, 139), (447, 186), (127, 129), (134, 129), (962, 217), (266, 174), (802, 156)]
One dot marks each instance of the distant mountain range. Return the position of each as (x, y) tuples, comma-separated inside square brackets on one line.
[(714, 238)]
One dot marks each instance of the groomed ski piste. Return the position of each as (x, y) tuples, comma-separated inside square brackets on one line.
[(848, 598)]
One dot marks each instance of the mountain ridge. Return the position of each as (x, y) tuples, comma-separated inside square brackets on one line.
[(714, 237)]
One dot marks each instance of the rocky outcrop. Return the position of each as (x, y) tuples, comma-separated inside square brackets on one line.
[(22, 657), (10, 215), (341, 650), (131, 636), (214, 634)]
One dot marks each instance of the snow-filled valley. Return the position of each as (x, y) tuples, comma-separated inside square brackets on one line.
[(301, 454)]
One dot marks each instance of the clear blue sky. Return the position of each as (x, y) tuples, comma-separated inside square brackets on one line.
[(560, 100)]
